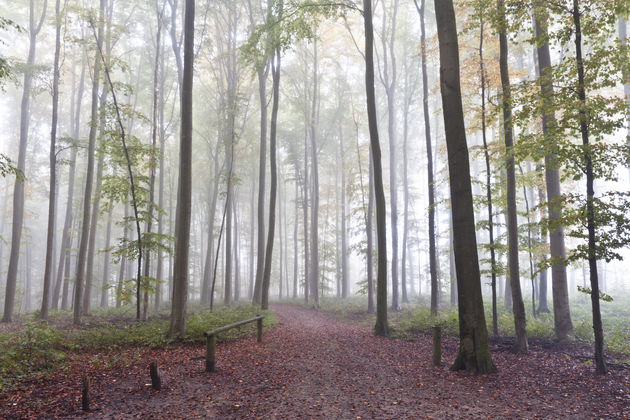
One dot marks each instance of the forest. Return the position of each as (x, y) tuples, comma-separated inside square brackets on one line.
[(314, 208)]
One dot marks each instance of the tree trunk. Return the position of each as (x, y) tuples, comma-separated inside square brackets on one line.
[(52, 200), (305, 207), (94, 217), (105, 282), (295, 241), (123, 260), (252, 245), (66, 236), (518, 308), (345, 282), (235, 254), (474, 354), (390, 92), (18, 189), (275, 73), (600, 359), (160, 222), (563, 326), (430, 181), (262, 72), (315, 183), (493, 264), (154, 135), (370, 235), (381, 326), (209, 266), (87, 196), (451, 264), (182, 246)]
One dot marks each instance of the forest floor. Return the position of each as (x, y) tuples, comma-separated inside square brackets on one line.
[(312, 366)]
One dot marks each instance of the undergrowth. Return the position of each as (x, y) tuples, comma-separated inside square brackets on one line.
[(416, 317), (41, 347)]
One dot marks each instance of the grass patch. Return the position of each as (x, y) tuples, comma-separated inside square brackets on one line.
[(416, 317)]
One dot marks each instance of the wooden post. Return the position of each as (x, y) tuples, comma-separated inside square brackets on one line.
[(437, 345), (156, 381), (259, 324), (211, 344), (85, 394)]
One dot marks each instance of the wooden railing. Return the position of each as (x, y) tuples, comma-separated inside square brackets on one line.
[(211, 338)]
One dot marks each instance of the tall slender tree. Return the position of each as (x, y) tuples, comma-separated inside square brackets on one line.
[(52, 200), (87, 196), (34, 28), (430, 180), (381, 327), (518, 308)]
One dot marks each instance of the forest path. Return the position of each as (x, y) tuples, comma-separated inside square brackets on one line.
[(312, 366)]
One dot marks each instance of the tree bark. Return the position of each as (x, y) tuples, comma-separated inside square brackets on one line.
[(345, 283), (180, 273), (390, 91), (87, 196), (600, 359), (493, 264), (275, 73), (18, 188), (105, 282), (381, 327), (474, 354), (518, 308), (430, 181), (52, 200), (315, 184), (563, 325)]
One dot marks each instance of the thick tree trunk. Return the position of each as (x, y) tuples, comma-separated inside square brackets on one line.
[(18, 189), (474, 354), (451, 264), (182, 246), (563, 325), (518, 308), (600, 359), (381, 327)]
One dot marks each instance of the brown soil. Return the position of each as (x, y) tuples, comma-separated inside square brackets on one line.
[(311, 366)]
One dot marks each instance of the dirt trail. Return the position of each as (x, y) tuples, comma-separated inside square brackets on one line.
[(311, 366)]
